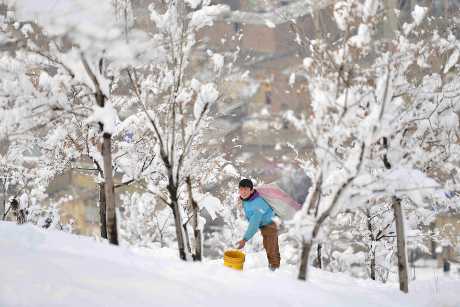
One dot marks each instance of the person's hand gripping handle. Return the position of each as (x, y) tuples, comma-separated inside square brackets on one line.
[(240, 244)]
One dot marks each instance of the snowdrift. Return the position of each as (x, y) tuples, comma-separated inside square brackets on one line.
[(50, 268)]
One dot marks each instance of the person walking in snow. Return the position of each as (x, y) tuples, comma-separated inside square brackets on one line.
[(260, 216)]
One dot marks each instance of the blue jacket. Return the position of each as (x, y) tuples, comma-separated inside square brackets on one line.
[(258, 213)]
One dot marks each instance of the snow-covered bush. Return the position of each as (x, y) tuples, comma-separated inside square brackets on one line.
[(145, 221)]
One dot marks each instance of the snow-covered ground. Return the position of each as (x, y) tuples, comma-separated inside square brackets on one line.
[(48, 268)]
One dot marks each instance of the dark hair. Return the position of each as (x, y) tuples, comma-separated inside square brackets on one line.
[(246, 183)]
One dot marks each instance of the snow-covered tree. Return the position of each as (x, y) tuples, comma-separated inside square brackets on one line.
[(21, 120), (79, 65), (176, 105), (78, 62), (146, 221), (382, 128)]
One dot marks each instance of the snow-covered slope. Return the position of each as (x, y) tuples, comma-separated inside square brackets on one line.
[(46, 268)]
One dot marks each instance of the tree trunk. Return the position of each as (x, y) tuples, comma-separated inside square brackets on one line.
[(111, 219), (319, 263), (174, 205), (372, 265), (197, 256), (306, 248), (401, 245), (187, 238), (102, 210), (179, 231), (198, 244), (445, 259), (315, 197), (2, 208), (433, 242), (172, 189), (372, 247)]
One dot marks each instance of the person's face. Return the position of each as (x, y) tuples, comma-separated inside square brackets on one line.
[(245, 192)]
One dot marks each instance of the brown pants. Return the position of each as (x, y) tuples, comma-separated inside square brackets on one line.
[(270, 239)]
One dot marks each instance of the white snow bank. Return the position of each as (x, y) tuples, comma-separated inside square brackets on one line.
[(48, 268)]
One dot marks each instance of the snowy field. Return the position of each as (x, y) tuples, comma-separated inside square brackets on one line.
[(48, 268)]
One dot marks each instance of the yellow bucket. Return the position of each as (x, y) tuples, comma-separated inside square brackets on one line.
[(234, 259)]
